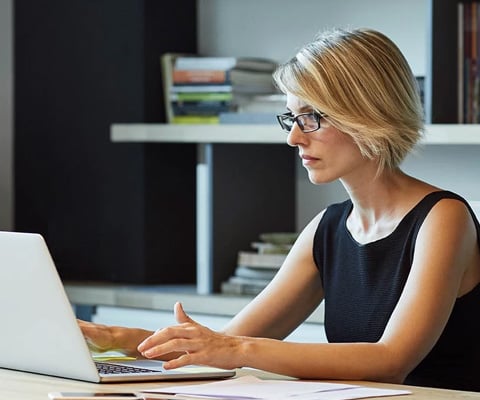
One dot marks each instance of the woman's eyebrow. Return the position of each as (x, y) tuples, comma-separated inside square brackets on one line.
[(302, 109)]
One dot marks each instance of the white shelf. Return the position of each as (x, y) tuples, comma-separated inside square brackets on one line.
[(452, 134), (197, 133), (170, 133)]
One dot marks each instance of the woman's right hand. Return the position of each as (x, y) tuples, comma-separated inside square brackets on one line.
[(98, 337), (101, 338)]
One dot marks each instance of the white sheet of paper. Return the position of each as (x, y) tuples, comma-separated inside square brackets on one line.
[(250, 387)]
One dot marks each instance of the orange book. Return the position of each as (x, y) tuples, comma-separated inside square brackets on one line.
[(200, 76)]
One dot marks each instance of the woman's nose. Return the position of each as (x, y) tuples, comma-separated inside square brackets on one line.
[(296, 136)]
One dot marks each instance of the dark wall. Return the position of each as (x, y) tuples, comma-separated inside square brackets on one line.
[(113, 212)]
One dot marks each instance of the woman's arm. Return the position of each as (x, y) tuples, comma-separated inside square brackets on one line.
[(443, 258)]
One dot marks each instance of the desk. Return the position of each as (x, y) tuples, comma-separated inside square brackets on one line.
[(16, 385)]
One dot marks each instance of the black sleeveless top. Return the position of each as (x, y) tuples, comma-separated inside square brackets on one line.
[(363, 283)]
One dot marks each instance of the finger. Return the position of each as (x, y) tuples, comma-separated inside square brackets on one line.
[(162, 336), (170, 347), (184, 359), (180, 315)]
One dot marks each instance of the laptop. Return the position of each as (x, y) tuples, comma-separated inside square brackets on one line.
[(39, 329)]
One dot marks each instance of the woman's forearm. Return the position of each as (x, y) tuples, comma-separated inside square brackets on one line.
[(353, 361)]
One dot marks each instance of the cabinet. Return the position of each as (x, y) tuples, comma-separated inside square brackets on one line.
[(108, 212)]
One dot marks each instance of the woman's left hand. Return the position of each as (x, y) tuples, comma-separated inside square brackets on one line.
[(195, 343)]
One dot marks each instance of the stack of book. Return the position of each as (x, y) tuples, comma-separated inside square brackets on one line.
[(253, 76), (196, 89), (200, 89), (254, 91), (256, 268)]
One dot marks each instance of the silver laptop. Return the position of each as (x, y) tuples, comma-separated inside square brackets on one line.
[(39, 330)]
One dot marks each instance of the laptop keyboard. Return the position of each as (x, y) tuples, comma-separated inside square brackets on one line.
[(108, 369)]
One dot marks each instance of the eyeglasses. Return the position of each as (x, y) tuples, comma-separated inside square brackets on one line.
[(308, 122)]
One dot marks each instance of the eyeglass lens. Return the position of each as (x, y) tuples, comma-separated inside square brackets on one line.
[(307, 122)]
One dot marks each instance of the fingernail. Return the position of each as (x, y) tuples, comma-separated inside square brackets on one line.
[(147, 353)]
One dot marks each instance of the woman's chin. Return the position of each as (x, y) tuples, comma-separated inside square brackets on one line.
[(318, 179)]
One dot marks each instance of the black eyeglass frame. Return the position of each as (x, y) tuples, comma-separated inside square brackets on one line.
[(298, 119)]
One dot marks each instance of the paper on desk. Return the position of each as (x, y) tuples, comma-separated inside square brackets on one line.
[(251, 387)]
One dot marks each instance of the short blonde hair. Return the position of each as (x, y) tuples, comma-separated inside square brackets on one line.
[(362, 82)]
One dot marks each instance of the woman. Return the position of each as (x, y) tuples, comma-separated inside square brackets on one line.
[(398, 264)]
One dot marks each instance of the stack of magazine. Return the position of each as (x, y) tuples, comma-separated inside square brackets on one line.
[(257, 267)]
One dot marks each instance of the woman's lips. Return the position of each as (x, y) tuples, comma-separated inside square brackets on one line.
[(308, 160)]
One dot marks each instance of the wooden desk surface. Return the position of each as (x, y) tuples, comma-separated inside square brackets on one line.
[(16, 385)]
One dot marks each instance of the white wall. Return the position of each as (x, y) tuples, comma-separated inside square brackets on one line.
[(277, 28), (6, 115)]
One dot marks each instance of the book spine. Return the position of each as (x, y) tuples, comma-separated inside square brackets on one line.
[(195, 119), (205, 63), (243, 271), (260, 260), (201, 88), (185, 76), (477, 64), (240, 288), (200, 108), (166, 65), (460, 63), (474, 73), (202, 96)]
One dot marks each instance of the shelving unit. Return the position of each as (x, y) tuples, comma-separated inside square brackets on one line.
[(110, 211)]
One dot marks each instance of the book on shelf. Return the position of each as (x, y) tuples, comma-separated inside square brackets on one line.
[(200, 76), (166, 66), (196, 62), (199, 107), (248, 280), (256, 82), (235, 288), (253, 259), (244, 271), (271, 248), (206, 88), (195, 119), (468, 60), (201, 96), (266, 103), (256, 64)]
